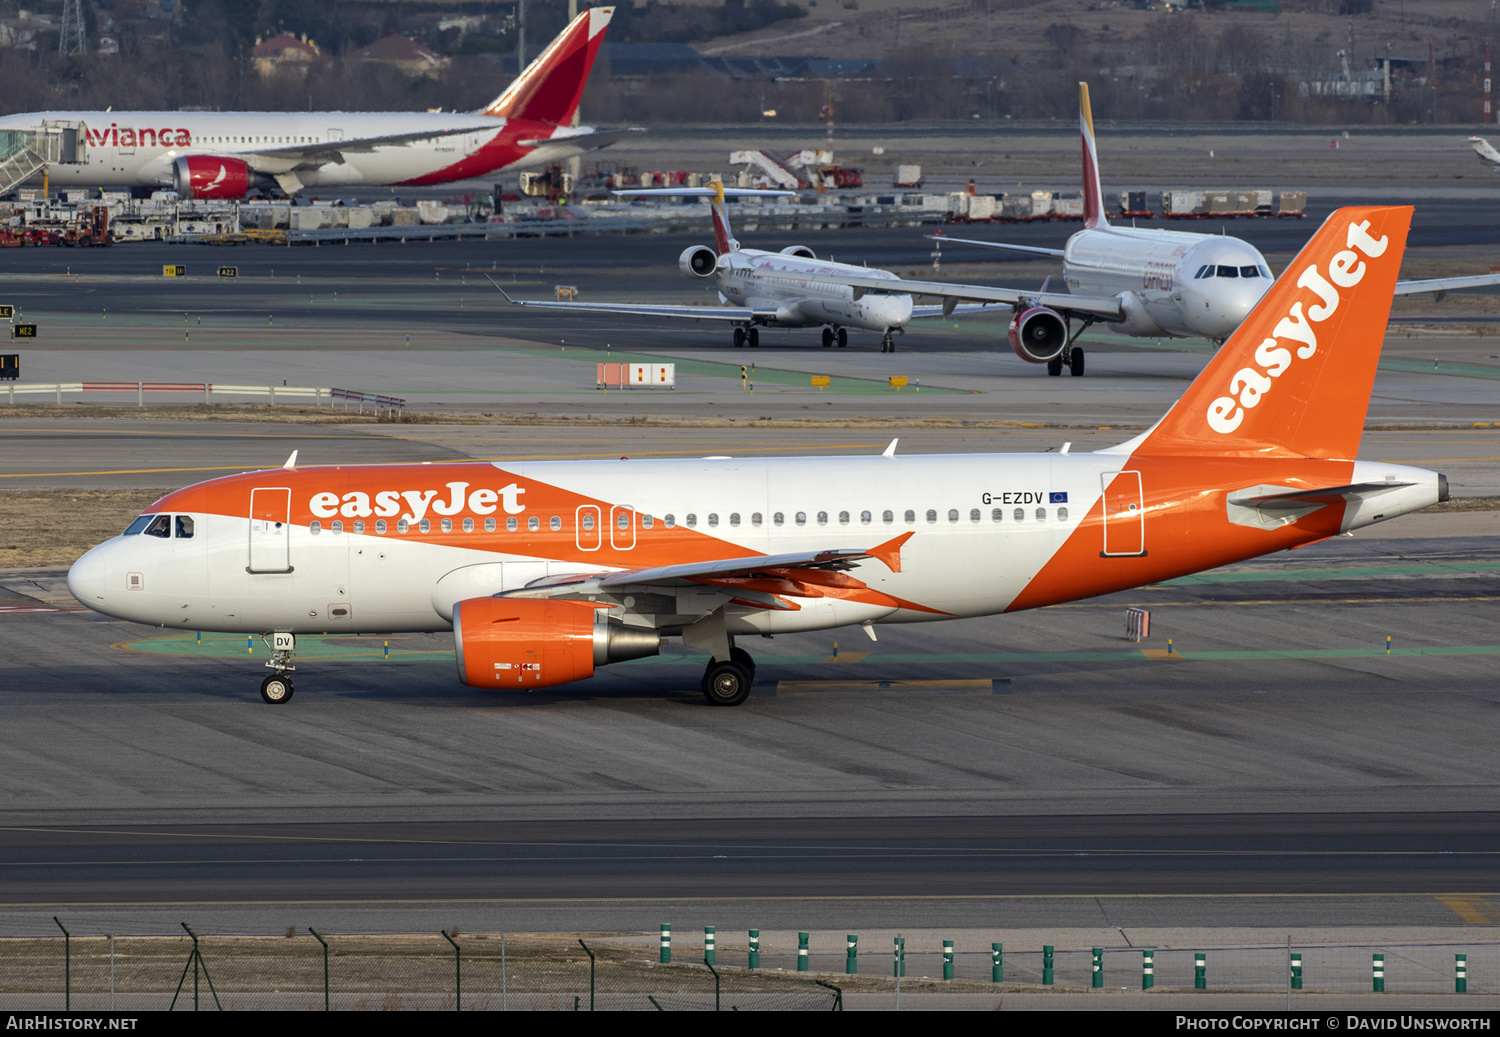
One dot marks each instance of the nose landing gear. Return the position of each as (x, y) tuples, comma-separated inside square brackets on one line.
[(277, 689)]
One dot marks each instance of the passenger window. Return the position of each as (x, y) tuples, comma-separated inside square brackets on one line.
[(425, 526), (713, 518), (778, 519), (402, 525), (887, 517), (555, 522), (755, 519), (588, 521), (911, 517), (489, 525), (995, 516), (336, 526), (1228, 271), (380, 525), (1020, 515), (1249, 271), (1062, 514), (139, 524), (822, 518), (669, 521), (511, 524), (974, 515), (468, 525), (446, 525), (952, 514), (843, 518), (647, 521), (161, 526), (692, 519), (1041, 514), (314, 527), (533, 524), (801, 518), (734, 518), (931, 515), (865, 517), (359, 525), (184, 527)]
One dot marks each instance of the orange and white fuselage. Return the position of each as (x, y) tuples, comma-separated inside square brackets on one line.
[(546, 569)]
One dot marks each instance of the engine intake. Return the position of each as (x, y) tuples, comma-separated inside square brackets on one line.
[(1038, 334), (698, 261), (210, 176), (800, 251), (531, 643)]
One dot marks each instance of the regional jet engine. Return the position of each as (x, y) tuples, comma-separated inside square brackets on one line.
[(698, 261)]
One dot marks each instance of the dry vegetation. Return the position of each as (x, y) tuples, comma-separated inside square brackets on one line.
[(54, 527)]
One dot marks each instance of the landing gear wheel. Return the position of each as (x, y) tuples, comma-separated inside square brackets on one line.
[(739, 337), (1075, 363), (276, 689), (726, 683), (753, 337), (827, 338), (842, 335), (887, 344), (1054, 366), (742, 657)]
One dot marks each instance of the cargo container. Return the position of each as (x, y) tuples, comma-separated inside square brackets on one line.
[(908, 176)]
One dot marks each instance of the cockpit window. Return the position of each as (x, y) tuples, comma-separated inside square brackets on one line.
[(1249, 271), (1204, 271), (160, 526), (184, 527), (139, 524), (1228, 271)]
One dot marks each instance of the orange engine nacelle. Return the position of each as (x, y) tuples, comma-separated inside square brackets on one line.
[(210, 176), (533, 643)]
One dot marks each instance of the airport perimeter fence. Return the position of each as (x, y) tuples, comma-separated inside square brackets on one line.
[(490, 972)]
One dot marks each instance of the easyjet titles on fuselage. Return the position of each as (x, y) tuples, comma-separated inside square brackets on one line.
[(387, 503)]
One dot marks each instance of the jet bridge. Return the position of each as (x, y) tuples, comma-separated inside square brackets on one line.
[(28, 151)]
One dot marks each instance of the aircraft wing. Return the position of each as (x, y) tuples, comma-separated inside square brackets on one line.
[(1446, 284), (1034, 250), (739, 314), (1485, 150), (944, 310), (1099, 307), (308, 155), (586, 139), (782, 566)]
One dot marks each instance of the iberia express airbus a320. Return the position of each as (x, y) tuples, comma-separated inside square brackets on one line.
[(546, 570), (225, 154)]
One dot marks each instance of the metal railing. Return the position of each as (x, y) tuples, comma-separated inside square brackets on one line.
[(208, 390)]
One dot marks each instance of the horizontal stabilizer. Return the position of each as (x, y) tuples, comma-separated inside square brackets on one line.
[(1326, 495)]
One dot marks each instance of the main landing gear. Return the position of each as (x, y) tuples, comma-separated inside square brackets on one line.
[(1072, 359), (744, 335), (277, 689), (832, 335), (727, 683)]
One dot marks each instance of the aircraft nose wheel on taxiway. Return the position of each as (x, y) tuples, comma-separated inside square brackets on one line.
[(276, 689)]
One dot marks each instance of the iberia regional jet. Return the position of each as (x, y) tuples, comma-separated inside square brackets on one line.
[(225, 154), (545, 571), (1145, 283), (792, 288)]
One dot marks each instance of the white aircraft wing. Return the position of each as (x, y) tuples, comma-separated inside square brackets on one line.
[(306, 155), (1034, 250), (1446, 284), (585, 138), (946, 310), (1100, 307), (740, 314), (1485, 150)]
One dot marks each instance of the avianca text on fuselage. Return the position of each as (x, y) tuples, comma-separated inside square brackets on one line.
[(145, 137)]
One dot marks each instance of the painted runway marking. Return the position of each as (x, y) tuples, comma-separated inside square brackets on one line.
[(1472, 910), (794, 689)]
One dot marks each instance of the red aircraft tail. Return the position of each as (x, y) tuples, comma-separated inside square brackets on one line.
[(549, 88)]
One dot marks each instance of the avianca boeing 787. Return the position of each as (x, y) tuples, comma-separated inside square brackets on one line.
[(225, 154), (546, 570)]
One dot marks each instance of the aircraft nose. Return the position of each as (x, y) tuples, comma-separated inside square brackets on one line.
[(86, 578)]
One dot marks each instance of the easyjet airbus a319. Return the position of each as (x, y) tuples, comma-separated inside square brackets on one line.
[(225, 154), (546, 570)]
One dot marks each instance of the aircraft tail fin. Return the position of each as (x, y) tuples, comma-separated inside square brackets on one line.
[(1485, 150), (1295, 378), (724, 242), (548, 90), (1093, 197)]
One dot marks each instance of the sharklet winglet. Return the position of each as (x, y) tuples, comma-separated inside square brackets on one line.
[(889, 553)]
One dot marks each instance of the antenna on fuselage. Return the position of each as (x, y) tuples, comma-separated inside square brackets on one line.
[(291, 462)]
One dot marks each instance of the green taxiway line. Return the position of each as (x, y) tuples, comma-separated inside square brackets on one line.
[(1352, 572), (350, 649)]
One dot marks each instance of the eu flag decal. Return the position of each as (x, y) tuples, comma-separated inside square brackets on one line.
[(1057, 498)]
